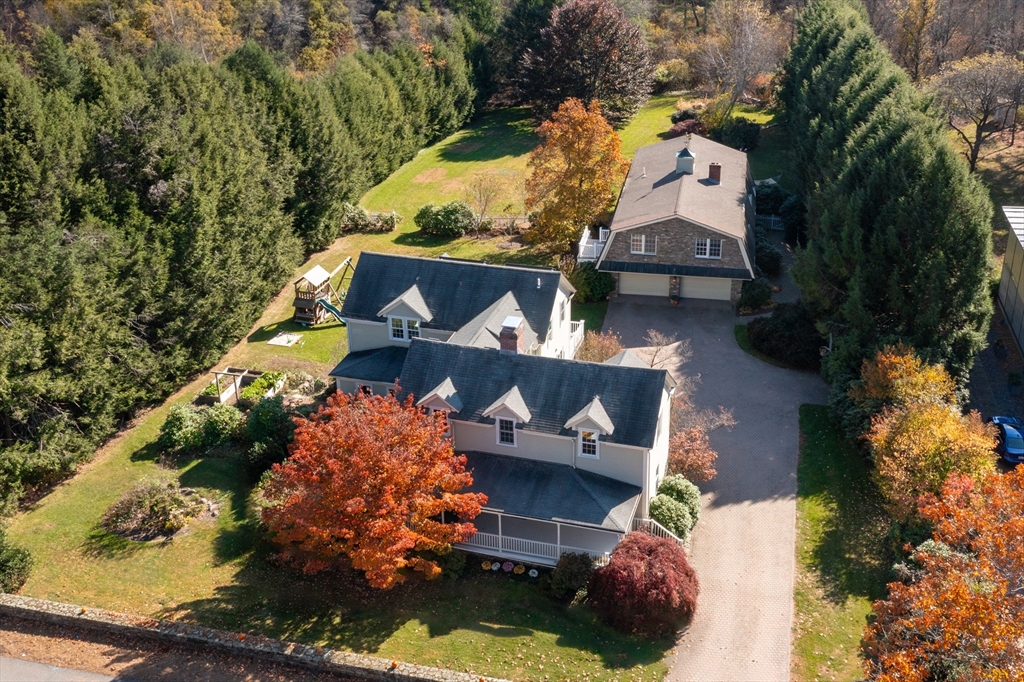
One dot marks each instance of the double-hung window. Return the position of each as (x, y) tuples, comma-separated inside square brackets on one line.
[(588, 444), (643, 244), (708, 248), (506, 432), (404, 329)]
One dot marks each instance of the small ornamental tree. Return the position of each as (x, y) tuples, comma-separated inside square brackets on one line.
[(572, 173), (963, 618), (367, 478), (589, 51), (918, 446), (647, 587), (690, 454), (599, 346)]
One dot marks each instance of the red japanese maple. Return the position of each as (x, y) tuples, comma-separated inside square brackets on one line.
[(368, 478)]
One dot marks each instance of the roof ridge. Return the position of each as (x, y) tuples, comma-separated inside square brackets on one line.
[(466, 261)]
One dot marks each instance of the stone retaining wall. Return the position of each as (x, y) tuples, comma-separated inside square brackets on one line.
[(315, 658)]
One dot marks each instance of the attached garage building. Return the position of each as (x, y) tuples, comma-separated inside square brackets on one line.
[(683, 229)]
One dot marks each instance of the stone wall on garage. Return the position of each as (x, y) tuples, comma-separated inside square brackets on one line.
[(676, 239)]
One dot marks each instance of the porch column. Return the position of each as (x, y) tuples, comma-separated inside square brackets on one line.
[(501, 542), (558, 541)]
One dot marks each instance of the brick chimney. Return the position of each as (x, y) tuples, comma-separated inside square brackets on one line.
[(715, 173), (511, 335)]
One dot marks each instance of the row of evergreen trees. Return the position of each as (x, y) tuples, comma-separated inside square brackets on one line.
[(899, 233), (150, 208)]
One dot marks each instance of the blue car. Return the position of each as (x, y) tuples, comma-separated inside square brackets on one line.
[(1010, 445)]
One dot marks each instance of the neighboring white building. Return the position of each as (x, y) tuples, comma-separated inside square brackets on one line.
[(1011, 284)]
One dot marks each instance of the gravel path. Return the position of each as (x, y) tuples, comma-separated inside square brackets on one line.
[(123, 658), (743, 548)]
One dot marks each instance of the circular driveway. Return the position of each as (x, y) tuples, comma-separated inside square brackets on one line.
[(743, 549)]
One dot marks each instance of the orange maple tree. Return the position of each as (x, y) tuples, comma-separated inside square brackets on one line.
[(368, 478), (573, 172), (963, 618)]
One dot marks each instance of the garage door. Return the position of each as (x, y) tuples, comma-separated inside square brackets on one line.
[(643, 285), (715, 288)]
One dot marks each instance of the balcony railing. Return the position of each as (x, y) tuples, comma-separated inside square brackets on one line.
[(590, 249), (656, 529), (576, 335), (541, 552)]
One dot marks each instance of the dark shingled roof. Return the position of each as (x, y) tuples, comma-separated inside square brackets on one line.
[(553, 492), (552, 389), (670, 269), (454, 291), (376, 364)]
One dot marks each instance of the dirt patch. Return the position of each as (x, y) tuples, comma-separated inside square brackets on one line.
[(453, 186), (430, 175), (464, 147), (137, 658)]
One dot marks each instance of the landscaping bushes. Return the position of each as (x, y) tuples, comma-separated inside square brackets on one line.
[(355, 218), (453, 219), (192, 429), (571, 574), (268, 430), (647, 587), (152, 508), (684, 492), (788, 335), (735, 132), (590, 283), (671, 514), (767, 256), (755, 294), (15, 564)]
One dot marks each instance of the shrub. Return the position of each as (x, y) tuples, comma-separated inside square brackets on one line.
[(673, 515), (770, 198), (453, 219), (182, 431), (688, 127), (358, 219), (755, 294), (452, 563), (685, 493), (15, 564), (571, 574), (221, 423), (152, 508), (259, 387), (599, 346), (687, 114), (794, 218), (590, 283), (648, 586), (738, 133), (767, 257), (268, 429), (788, 335), (671, 75)]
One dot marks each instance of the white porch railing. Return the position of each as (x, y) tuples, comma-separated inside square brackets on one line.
[(590, 249), (769, 222), (542, 552), (576, 335), (654, 528)]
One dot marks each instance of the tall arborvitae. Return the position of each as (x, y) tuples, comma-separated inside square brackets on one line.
[(899, 234)]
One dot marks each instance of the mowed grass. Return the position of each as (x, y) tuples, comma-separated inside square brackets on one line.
[(842, 564)]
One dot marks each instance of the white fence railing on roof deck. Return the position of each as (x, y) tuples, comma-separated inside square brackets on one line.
[(590, 249), (576, 327), (654, 528)]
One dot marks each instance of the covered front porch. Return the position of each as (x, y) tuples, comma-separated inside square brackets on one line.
[(537, 511)]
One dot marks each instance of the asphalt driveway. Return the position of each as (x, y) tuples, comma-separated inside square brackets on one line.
[(743, 547)]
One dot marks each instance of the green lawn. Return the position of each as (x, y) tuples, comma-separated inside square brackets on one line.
[(592, 314), (842, 564), (217, 575)]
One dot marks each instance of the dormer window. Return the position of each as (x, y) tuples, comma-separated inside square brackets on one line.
[(506, 432), (404, 328), (588, 444)]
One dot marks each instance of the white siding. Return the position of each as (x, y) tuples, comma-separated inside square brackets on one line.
[(484, 437), (363, 335), (559, 342), (616, 461), (658, 456)]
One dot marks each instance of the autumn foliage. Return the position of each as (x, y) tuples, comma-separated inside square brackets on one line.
[(599, 346), (573, 172), (647, 587), (897, 376), (690, 454), (963, 619), (367, 478)]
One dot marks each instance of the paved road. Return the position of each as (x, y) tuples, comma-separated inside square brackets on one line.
[(20, 670), (743, 547)]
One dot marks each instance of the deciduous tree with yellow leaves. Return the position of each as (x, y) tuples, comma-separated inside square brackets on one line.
[(573, 173)]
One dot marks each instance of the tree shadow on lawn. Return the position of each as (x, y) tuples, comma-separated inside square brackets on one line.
[(850, 554), (506, 132), (289, 326), (227, 477), (339, 610)]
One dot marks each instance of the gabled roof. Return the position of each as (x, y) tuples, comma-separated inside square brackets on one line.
[(376, 364), (552, 492), (445, 392), (483, 330), (512, 401), (626, 358), (453, 291), (412, 299), (552, 389), (593, 412), (316, 276), (654, 190)]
